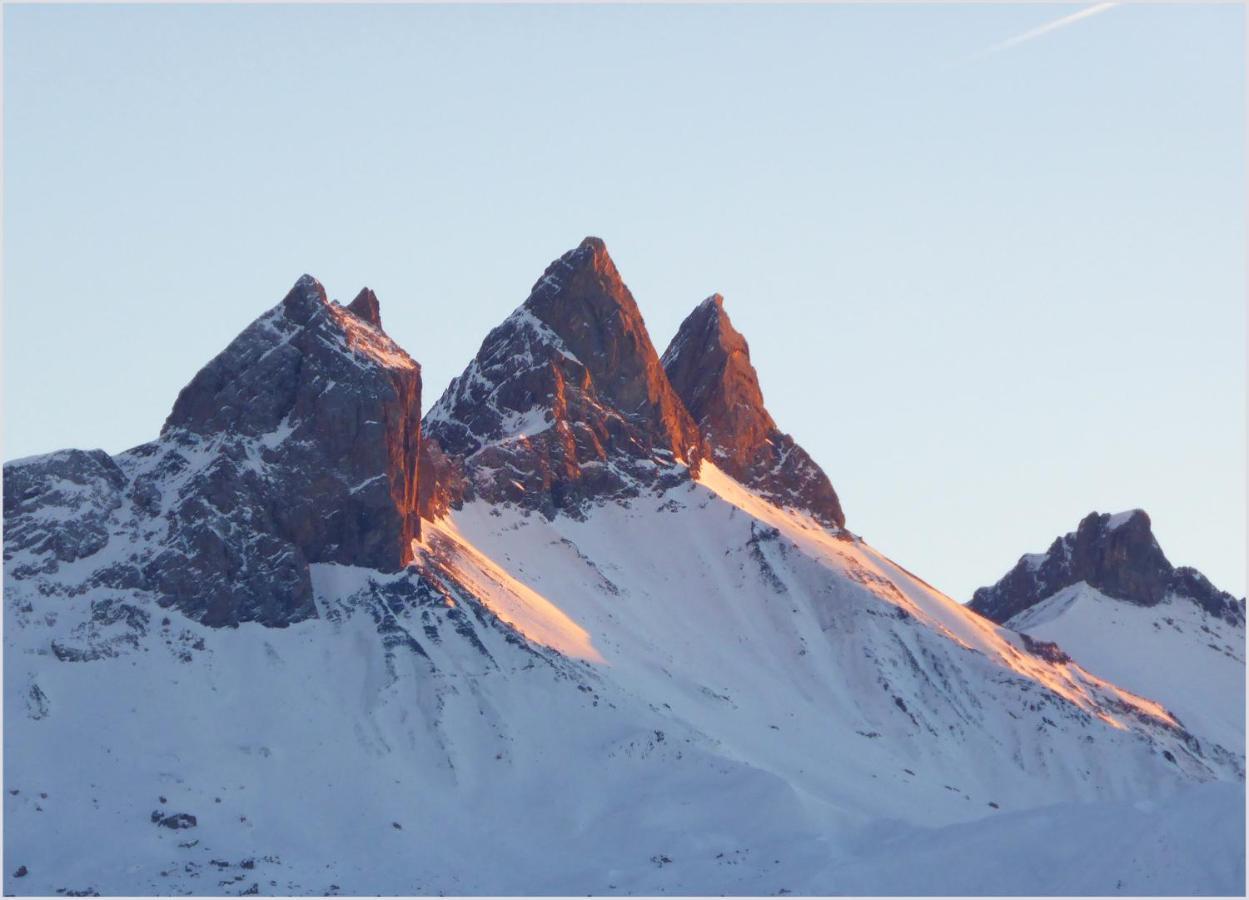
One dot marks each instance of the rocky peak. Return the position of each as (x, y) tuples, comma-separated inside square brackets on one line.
[(708, 365), (565, 402), (366, 307), (1116, 554), (583, 300), (297, 444)]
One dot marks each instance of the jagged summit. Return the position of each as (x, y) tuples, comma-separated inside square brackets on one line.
[(708, 364), (296, 444), (1116, 554), (617, 684), (565, 402), (367, 308), (589, 256)]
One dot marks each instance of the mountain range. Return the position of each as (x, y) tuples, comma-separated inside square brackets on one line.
[(592, 625)]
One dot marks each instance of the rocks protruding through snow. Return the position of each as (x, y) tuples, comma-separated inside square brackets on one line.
[(1116, 554), (297, 444)]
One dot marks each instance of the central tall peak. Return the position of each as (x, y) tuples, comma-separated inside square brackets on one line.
[(584, 301), (708, 364), (565, 403)]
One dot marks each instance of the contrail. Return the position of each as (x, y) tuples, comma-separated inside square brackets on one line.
[(1040, 30)]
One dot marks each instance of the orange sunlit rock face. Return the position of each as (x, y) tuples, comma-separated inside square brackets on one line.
[(565, 402), (401, 412), (708, 365)]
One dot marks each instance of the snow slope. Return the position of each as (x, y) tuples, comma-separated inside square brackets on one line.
[(399, 744), (1176, 652), (693, 693), (1070, 849)]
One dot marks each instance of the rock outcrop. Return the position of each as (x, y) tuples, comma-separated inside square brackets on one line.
[(566, 402), (1116, 554), (298, 444), (708, 364)]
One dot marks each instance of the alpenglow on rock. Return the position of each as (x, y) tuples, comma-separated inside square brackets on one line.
[(297, 444), (1116, 554), (708, 363), (565, 402)]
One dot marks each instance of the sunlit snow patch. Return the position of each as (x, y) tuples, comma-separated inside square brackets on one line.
[(898, 586), (508, 598)]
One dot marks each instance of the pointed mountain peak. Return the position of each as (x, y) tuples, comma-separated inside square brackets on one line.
[(585, 272), (305, 299), (1118, 555), (366, 307), (566, 400), (302, 437), (708, 364), (592, 254), (583, 300)]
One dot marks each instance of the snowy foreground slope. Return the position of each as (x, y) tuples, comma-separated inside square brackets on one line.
[(816, 718), (542, 642)]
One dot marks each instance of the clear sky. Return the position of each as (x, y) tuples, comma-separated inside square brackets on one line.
[(989, 290)]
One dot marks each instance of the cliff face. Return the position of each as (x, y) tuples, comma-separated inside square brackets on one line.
[(565, 403), (708, 365), (297, 444)]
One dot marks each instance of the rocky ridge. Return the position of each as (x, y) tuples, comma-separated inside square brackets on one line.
[(565, 403), (1116, 554), (708, 363), (297, 444)]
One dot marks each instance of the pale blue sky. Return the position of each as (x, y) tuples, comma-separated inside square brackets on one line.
[(989, 293)]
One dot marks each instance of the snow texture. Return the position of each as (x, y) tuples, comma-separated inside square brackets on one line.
[(693, 692)]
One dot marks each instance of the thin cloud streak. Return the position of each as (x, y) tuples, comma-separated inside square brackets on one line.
[(1045, 29)]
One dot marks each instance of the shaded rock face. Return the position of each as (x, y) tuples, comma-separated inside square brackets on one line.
[(1116, 554), (565, 402), (57, 507), (708, 364), (298, 444)]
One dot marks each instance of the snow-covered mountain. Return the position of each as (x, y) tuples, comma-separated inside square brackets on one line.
[(630, 648), (1107, 595)]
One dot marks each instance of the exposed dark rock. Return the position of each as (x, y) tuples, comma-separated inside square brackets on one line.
[(1188, 582), (1119, 556), (178, 821), (708, 364), (565, 402), (58, 507), (298, 444), (21, 872), (336, 406), (1046, 650)]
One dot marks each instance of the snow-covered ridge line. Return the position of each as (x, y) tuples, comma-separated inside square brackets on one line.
[(938, 610)]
